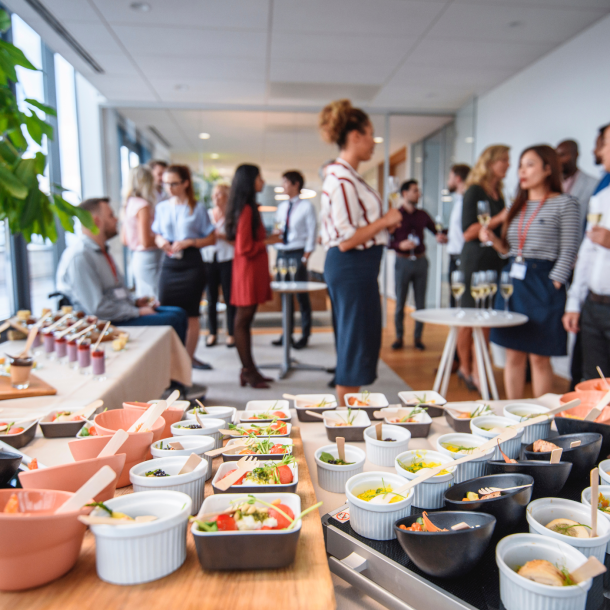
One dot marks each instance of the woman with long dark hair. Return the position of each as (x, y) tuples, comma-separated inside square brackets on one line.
[(251, 284), (540, 235), (354, 231), (182, 227)]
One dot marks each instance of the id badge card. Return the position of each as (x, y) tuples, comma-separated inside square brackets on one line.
[(120, 293), (518, 270)]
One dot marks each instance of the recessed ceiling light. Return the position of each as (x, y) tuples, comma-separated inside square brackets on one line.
[(180, 87), (281, 197), (140, 6), (307, 193), (214, 156), (279, 189), (204, 136), (378, 140), (469, 140)]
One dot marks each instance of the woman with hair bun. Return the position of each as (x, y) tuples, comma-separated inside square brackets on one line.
[(354, 231)]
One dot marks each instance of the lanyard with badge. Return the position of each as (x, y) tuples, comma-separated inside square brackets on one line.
[(519, 267)]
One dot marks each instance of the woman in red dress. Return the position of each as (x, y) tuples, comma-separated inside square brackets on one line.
[(250, 285)]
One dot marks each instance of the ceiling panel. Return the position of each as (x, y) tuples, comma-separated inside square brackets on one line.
[(331, 71), (193, 67), (544, 3), (213, 91), (73, 10), (93, 37)]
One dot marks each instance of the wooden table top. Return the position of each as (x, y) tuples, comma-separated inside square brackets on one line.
[(304, 585)]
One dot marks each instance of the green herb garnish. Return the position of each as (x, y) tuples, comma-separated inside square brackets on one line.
[(329, 459)]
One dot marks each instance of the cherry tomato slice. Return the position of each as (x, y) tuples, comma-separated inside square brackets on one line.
[(285, 475), (225, 523), (282, 522)]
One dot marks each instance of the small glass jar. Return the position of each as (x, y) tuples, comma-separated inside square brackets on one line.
[(98, 363), (84, 357), (48, 341), (61, 349), (73, 353), (20, 372)]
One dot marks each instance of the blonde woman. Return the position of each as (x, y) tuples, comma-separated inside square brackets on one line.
[(484, 183), (138, 216)]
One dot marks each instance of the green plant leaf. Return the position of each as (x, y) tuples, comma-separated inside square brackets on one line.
[(83, 215), (41, 162), (5, 21), (8, 67), (46, 109), (12, 184), (16, 55)]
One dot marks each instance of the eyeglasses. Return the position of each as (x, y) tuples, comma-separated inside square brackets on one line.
[(173, 184)]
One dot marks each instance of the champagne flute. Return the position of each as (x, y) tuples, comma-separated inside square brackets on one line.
[(484, 291), (492, 280), (292, 268), (506, 289), (274, 271), (484, 218), (283, 268), (438, 223), (458, 287), (475, 290)]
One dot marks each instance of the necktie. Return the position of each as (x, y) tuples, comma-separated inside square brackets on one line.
[(287, 225)]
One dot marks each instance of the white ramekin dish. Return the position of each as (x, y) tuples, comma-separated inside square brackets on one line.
[(211, 428), (375, 521), (532, 433), (192, 444), (353, 433), (269, 405), (191, 483), (332, 477), (511, 448), (426, 397), (604, 471), (543, 511), (374, 399), (383, 453), (585, 498), (141, 552), (304, 402), (469, 470), (226, 413), (431, 493), (518, 593), (251, 487)]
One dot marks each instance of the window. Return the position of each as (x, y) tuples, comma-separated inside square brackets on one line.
[(5, 273)]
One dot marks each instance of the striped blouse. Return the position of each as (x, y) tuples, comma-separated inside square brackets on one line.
[(348, 203), (553, 236)]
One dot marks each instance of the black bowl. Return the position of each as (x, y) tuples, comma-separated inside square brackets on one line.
[(583, 458), (447, 554), (9, 464), (549, 479), (567, 425), (508, 509)]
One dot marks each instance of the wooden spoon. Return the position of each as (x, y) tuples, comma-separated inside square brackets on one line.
[(603, 378), (542, 418), (99, 339), (341, 448), (99, 481), (378, 431), (28, 344), (70, 329), (227, 448), (556, 455), (244, 465), (114, 444), (193, 461), (590, 569), (594, 500), (58, 323), (80, 333)]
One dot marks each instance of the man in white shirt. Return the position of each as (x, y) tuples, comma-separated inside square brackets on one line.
[(157, 167), (297, 219), (588, 305), (456, 185)]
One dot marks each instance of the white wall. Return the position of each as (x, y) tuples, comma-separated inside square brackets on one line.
[(566, 94)]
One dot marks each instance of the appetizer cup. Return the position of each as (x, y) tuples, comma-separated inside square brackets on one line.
[(429, 494), (211, 428), (254, 425), (62, 429), (353, 433), (192, 483), (108, 422), (70, 477), (225, 413), (462, 424), (430, 399), (519, 593), (541, 512), (469, 470), (17, 441), (376, 521), (192, 444), (244, 549), (420, 428), (583, 457), (567, 424), (482, 426), (233, 457), (262, 406), (374, 400), (310, 402), (596, 385), (508, 508), (132, 554), (332, 477), (38, 546), (253, 488), (447, 554), (9, 465), (520, 412), (171, 416), (384, 452), (585, 498), (136, 448)]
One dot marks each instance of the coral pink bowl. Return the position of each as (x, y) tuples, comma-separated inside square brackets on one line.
[(588, 399), (171, 415), (70, 477), (37, 546), (136, 448), (109, 422), (597, 385)]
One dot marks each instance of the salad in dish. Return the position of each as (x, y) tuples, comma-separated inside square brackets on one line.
[(275, 428), (88, 431), (348, 421), (269, 473), (545, 573), (369, 494), (267, 414), (264, 447), (327, 458), (410, 418), (418, 463), (111, 513), (65, 416), (321, 405), (568, 527), (603, 503), (186, 426), (364, 401), (461, 449), (253, 515), (420, 400), (423, 524), (200, 408), (158, 472), (10, 427), (480, 410)]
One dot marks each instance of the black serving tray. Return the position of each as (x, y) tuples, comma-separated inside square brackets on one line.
[(393, 574)]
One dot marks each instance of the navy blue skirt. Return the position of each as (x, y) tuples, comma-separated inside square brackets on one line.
[(354, 293), (543, 304)]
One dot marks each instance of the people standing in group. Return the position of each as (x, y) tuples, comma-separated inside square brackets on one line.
[(588, 304), (456, 185), (540, 235), (251, 284), (138, 215), (573, 180), (411, 266), (158, 167), (297, 219), (484, 184), (182, 227), (354, 231), (219, 267)]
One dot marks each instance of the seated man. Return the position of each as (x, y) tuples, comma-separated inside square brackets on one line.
[(89, 277)]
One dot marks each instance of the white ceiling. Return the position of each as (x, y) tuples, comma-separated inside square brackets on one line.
[(418, 56)]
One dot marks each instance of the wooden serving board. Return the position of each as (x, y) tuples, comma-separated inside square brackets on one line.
[(305, 585), (38, 387)]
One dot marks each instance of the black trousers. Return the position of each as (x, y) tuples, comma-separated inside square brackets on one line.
[(454, 265), (595, 336), (220, 274), (303, 297), (408, 272)]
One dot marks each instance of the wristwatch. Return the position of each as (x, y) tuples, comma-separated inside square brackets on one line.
[(303, 260)]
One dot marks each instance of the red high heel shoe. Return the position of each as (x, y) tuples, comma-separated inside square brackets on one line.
[(254, 380)]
